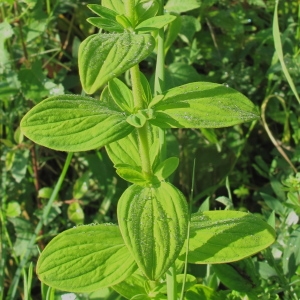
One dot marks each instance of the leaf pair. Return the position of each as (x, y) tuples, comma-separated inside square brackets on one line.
[(87, 258), (77, 123)]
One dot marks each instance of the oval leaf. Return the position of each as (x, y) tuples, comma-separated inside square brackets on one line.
[(153, 223), (226, 236), (85, 259), (202, 105), (155, 23), (74, 123), (166, 168), (106, 56)]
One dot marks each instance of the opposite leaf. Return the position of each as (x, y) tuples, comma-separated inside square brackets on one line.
[(153, 223), (74, 123), (226, 236), (202, 105), (103, 57), (155, 23), (85, 259)]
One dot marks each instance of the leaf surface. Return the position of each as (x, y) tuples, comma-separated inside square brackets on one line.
[(153, 223), (202, 105), (226, 236), (74, 123), (103, 57), (85, 259)]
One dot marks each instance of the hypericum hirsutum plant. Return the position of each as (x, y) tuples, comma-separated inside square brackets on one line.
[(156, 234)]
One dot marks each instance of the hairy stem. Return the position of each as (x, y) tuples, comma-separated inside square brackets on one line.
[(172, 283)]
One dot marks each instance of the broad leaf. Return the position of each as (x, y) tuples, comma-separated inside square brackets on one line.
[(166, 168), (125, 151), (202, 105), (179, 6), (132, 175), (103, 57), (121, 94), (153, 223), (115, 5), (146, 9), (74, 123), (240, 276), (226, 236), (155, 23), (131, 286), (85, 259)]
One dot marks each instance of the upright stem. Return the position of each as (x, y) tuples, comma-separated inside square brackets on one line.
[(160, 61), (144, 151), (171, 283), (137, 89)]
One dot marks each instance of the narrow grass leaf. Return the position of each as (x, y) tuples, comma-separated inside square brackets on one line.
[(85, 259), (74, 123), (278, 48)]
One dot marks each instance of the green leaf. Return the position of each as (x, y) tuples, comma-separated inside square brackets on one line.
[(226, 236), (200, 291), (85, 259), (74, 123), (291, 254), (13, 209), (125, 151), (155, 23), (147, 94), (102, 11), (124, 21), (103, 57), (81, 185), (115, 5), (146, 9), (153, 223), (240, 276), (106, 24), (75, 213), (121, 94), (166, 168), (202, 104), (136, 120), (19, 164), (132, 175), (23, 233), (131, 286), (180, 6)]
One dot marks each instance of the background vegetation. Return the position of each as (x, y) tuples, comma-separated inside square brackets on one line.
[(251, 167)]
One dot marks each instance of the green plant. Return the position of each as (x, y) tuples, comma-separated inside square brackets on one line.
[(157, 233)]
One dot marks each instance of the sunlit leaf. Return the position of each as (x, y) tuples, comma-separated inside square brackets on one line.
[(74, 123), (153, 223), (85, 259)]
